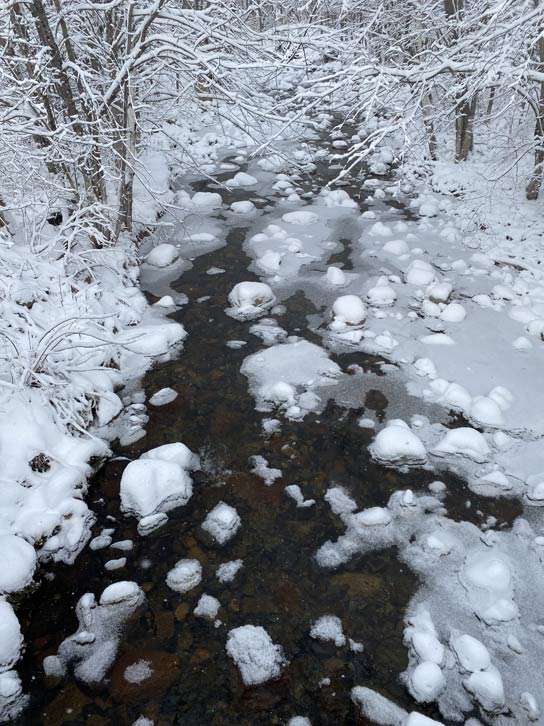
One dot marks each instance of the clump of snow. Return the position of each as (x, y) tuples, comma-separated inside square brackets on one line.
[(382, 294), (250, 300), (398, 445), (162, 255), (206, 200), (348, 311), (163, 397), (207, 607), (222, 522), (245, 207), (185, 575), (138, 672), (396, 247), (328, 627), (262, 470), (338, 198), (426, 681), (91, 651), (295, 492), (150, 486), (241, 179), (117, 564), (258, 658), (419, 273), (335, 276), (227, 571), (300, 217)]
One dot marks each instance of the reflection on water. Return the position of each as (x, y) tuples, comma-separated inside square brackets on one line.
[(280, 586)]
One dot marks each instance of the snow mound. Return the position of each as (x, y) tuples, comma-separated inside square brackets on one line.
[(207, 607), (397, 445), (150, 486), (419, 273), (162, 255), (162, 397), (262, 470), (328, 627), (300, 217), (258, 658), (228, 570), (241, 179), (92, 650), (185, 575), (207, 200), (249, 300), (349, 312), (222, 522)]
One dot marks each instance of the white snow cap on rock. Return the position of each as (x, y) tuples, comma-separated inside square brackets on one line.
[(258, 658), (163, 397), (162, 255), (153, 485), (382, 294), (250, 300), (207, 607), (335, 276), (241, 179), (396, 444), (348, 311), (328, 627), (222, 522), (300, 217), (227, 571), (419, 273), (185, 575)]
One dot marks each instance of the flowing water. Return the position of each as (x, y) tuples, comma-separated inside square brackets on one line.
[(280, 586)]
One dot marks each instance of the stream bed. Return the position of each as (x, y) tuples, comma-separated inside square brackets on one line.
[(280, 586)]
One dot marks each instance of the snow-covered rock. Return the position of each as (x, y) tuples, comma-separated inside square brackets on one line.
[(328, 627), (222, 522), (250, 300), (150, 486), (419, 273), (184, 576), (398, 445), (162, 255), (258, 658)]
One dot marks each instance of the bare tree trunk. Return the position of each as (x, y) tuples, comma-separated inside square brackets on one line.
[(533, 187), (465, 109), (128, 143), (426, 105), (464, 128)]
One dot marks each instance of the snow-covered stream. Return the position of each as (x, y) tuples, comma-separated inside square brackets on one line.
[(282, 409)]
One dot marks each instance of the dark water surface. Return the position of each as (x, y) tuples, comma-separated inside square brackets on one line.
[(280, 586)]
